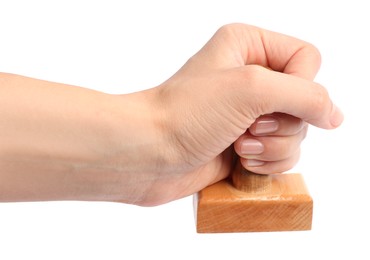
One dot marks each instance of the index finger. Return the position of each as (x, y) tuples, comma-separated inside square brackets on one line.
[(236, 45)]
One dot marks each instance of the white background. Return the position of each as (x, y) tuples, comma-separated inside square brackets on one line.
[(121, 47)]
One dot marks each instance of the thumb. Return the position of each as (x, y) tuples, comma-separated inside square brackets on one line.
[(278, 92)]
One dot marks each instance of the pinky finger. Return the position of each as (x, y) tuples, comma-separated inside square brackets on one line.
[(270, 167)]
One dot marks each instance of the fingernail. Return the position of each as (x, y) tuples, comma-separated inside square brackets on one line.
[(336, 116), (251, 146), (254, 163), (266, 126)]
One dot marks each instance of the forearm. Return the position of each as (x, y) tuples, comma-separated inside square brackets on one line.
[(59, 142)]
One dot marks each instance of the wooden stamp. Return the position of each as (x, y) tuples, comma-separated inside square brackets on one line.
[(250, 202)]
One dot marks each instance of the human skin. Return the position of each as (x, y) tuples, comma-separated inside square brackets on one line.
[(247, 92)]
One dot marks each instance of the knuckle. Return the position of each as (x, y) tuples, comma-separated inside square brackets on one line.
[(230, 31), (247, 86), (227, 28), (248, 77), (254, 76), (255, 72)]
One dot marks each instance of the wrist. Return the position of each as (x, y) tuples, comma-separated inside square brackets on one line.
[(140, 147)]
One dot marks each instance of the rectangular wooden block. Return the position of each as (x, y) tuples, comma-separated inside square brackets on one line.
[(285, 206)]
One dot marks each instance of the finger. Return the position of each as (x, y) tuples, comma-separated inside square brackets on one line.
[(268, 148), (236, 45), (277, 124), (290, 55), (263, 167), (278, 92)]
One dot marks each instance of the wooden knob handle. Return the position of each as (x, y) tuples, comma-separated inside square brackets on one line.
[(250, 182)]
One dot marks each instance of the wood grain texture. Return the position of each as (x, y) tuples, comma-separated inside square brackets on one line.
[(277, 203), (250, 182)]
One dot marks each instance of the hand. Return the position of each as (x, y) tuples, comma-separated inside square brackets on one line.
[(246, 85), (248, 92)]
